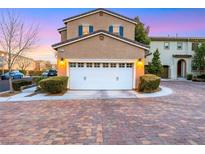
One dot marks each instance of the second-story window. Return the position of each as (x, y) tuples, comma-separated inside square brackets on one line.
[(166, 45), (116, 29), (85, 29), (179, 45)]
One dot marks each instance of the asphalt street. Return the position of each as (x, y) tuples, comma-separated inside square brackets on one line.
[(4, 84)]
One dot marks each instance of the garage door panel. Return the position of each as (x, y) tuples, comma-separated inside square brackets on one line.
[(100, 78)]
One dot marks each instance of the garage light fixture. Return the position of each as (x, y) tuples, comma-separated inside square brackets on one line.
[(62, 61), (139, 63)]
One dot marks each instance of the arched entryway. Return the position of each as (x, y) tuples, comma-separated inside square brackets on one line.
[(181, 68)]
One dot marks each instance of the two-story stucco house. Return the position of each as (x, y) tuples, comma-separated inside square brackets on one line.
[(175, 53), (98, 51)]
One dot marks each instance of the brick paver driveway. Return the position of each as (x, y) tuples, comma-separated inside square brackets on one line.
[(175, 119)]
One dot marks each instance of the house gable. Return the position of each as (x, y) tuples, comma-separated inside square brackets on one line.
[(100, 46), (125, 40), (99, 20), (100, 11)]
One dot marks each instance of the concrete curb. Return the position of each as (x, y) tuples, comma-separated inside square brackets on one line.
[(172, 80), (4, 92), (79, 95)]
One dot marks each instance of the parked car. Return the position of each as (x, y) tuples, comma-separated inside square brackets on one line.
[(45, 74), (13, 74), (49, 73)]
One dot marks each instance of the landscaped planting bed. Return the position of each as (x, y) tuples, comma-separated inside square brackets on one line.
[(20, 83), (199, 78)]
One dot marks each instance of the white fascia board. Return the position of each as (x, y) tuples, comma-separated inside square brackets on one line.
[(63, 29), (103, 60)]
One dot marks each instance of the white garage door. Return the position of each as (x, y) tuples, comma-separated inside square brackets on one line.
[(101, 76)]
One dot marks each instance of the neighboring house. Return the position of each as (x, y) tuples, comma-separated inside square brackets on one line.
[(42, 65), (21, 63), (98, 51), (176, 54), (2, 57)]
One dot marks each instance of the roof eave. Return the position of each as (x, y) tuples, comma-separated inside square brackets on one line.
[(62, 29), (56, 46), (177, 38), (99, 10)]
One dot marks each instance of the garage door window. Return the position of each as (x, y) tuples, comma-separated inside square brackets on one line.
[(122, 65), (105, 65), (96, 64), (113, 65), (80, 65), (89, 65), (129, 65), (72, 64)]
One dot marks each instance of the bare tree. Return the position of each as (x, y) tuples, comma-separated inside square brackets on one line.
[(23, 63), (15, 37)]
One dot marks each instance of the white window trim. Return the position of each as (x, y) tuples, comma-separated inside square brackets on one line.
[(116, 25), (181, 45), (168, 45), (86, 25)]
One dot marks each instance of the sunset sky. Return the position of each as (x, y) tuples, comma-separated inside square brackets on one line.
[(184, 22)]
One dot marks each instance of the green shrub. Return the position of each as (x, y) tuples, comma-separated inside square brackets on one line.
[(37, 79), (23, 71), (149, 83), (19, 83), (35, 73), (202, 76), (198, 78), (54, 85), (189, 76), (194, 78)]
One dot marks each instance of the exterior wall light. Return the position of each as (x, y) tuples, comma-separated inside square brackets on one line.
[(62, 61), (139, 63)]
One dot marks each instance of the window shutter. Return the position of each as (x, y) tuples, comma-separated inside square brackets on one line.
[(90, 29), (80, 30), (111, 29), (121, 31)]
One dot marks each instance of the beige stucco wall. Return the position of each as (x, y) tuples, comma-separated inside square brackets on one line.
[(100, 23), (94, 48), (63, 35)]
